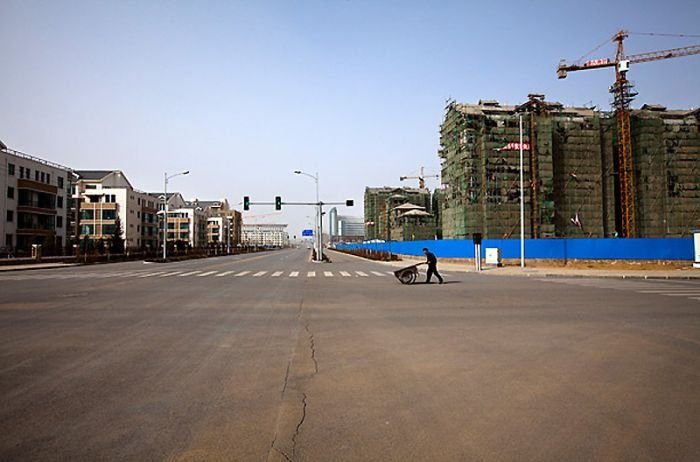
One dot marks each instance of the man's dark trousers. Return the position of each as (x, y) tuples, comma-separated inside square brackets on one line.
[(432, 269)]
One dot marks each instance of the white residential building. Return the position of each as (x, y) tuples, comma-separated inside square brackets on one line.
[(105, 195), (33, 203), (265, 235)]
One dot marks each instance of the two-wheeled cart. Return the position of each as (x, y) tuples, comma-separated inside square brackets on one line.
[(409, 274)]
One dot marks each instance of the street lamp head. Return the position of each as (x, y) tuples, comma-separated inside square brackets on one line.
[(187, 172), (298, 172)]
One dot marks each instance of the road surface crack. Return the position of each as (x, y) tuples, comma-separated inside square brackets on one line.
[(312, 346)]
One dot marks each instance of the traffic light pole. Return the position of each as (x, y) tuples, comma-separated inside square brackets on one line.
[(319, 204)]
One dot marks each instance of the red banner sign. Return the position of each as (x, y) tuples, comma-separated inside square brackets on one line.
[(515, 147)]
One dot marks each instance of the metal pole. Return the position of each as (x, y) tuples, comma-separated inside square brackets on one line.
[(522, 200), (165, 215), (320, 223)]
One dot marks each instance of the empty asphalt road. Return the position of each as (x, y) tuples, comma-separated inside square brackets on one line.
[(269, 357)]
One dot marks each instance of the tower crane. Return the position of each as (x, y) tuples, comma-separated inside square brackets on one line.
[(421, 178), (623, 94)]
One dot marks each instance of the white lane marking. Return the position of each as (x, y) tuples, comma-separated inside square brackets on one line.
[(276, 274), (242, 273), (377, 273), (663, 291), (225, 273), (259, 273), (188, 274), (169, 274), (361, 273), (311, 274), (328, 274), (345, 274), (148, 275), (208, 273), (695, 298), (684, 294), (294, 274)]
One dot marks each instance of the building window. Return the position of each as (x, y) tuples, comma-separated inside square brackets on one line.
[(48, 178), (109, 214), (8, 240), (10, 216), (87, 215), (59, 202), (59, 222), (87, 229), (60, 181), (21, 171), (108, 229), (36, 176), (11, 172), (10, 192), (113, 197), (90, 186)]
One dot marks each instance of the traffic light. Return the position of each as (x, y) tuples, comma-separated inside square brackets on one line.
[(349, 203), (246, 203), (278, 203)]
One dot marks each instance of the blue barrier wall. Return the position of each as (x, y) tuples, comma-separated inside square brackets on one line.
[(562, 249)]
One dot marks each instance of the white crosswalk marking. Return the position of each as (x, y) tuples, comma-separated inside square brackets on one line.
[(345, 274), (169, 274), (208, 273), (148, 275), (242, 273), (294, 274), (311, 274), (225, 273), (377, 273), (259, 273), (362, 273), (328, 274), (188, 274), (276, 274)]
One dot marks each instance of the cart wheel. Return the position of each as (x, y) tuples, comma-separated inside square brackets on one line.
[(407, 277), (414, 276)]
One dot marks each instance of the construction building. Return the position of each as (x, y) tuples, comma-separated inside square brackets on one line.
[(380, 215), (33, 204), (570, 170)]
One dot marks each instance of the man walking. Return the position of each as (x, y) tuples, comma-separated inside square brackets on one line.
[(432, 266)]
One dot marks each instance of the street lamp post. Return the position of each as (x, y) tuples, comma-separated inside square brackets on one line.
[(165, 210), (319, 218)]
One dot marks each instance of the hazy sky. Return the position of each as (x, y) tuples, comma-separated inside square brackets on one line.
[(243, 93)]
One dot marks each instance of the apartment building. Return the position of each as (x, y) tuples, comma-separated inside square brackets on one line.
[(33, 203), (223, 223), (101, 197), (265, 235)]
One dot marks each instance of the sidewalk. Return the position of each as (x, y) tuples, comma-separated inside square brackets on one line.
[(542, 271), (35, 266)]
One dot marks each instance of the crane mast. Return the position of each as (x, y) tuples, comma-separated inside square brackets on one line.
[(623, 95)]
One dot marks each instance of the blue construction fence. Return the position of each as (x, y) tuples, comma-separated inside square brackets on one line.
[(680, 248)]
